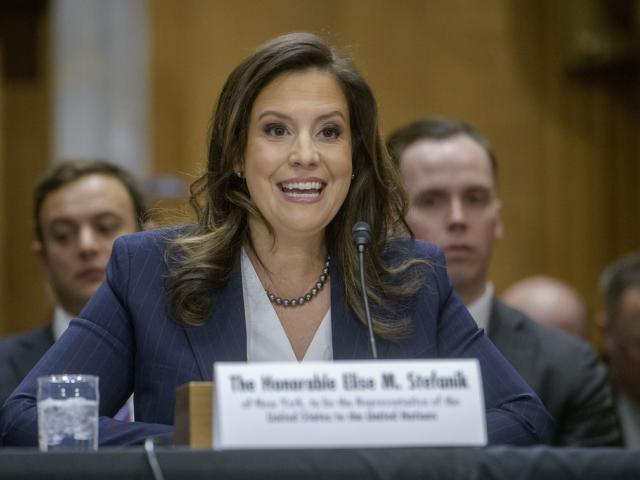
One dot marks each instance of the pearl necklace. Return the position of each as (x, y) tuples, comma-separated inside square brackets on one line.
[(296, 302)]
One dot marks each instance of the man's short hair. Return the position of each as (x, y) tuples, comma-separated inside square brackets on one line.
[(616, 279), (436, 129), (68, 171)]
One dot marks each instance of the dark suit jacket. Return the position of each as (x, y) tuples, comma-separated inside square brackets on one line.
[(127, 336), (18, 354), (565, 373)]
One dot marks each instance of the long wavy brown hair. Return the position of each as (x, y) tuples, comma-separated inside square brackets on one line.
[(201, 259)]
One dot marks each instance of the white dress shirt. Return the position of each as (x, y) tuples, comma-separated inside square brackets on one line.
[(480, 308), (266, 338), (61, 321), (629, 412)]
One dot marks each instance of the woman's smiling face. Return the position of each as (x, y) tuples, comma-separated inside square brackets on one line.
[(298, 156)]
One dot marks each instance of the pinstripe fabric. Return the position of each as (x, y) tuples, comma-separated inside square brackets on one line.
[(126, 336)]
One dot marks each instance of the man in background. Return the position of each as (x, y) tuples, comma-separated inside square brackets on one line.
[(550, 302), (80, 208), (450, 172), (620, 328)]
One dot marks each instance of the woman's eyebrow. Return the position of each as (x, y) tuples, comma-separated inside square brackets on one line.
[(284, 116)]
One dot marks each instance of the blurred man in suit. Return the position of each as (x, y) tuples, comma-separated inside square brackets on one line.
[(550, 302), (80, 208), (450, 172), (620, 328)]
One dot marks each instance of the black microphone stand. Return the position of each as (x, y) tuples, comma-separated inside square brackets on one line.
[(361, 234)]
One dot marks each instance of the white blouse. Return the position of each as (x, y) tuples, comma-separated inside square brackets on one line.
[(266, 338)]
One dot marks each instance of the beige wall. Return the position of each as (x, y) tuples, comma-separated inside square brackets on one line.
[(568, 148)]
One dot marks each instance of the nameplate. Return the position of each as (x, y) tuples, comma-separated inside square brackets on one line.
[(349, 404)]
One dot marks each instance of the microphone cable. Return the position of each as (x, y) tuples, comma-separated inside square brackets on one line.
[(150, 452)]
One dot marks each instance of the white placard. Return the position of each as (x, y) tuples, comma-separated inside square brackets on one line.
[(349, 404)]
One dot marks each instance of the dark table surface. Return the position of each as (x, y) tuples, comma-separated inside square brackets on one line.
[(399, 463)]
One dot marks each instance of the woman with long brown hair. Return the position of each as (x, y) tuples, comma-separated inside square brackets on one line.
[(269, 272)]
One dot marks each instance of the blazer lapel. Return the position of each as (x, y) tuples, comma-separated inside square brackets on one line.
[(224, 337), (350, 336)]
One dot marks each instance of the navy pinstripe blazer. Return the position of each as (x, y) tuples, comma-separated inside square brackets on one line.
[(127, 337)]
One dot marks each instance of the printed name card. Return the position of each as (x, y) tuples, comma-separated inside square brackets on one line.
[(348, 404)]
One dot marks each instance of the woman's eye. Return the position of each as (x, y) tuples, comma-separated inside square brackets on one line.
[(331, 132), (275, 130)]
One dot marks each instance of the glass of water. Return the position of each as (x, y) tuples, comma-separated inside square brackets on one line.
[(68, 412)]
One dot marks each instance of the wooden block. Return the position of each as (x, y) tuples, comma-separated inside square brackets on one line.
[(192, 419)]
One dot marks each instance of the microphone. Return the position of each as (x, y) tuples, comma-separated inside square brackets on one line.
[(361, 235)]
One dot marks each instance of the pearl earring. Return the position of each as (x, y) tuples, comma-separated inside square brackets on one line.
[(239, 174)]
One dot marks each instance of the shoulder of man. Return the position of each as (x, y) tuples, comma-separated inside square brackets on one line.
[(564, 371), (19, 353), (560, 343), (29, 340)]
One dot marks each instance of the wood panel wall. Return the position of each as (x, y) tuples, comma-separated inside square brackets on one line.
[(568, 147), (26, 128), (3, 223)]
